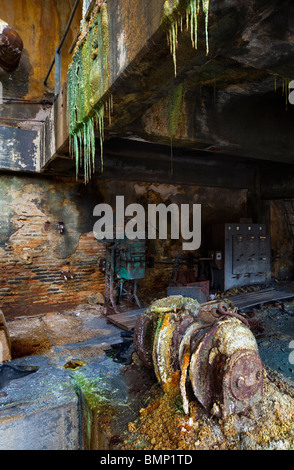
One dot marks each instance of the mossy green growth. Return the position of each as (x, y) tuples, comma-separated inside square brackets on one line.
[(88, 81), (174, 14), (92, 391), (175, 100), (95, 402), (177, 301)]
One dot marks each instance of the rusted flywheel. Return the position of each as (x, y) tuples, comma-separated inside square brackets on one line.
[(211, 347)]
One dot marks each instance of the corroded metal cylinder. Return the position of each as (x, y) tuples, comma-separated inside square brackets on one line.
[(11, 47), (209, 347)]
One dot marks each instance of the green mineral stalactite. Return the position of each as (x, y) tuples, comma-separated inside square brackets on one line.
[(205, 6), (100, 123), (172, 41), (192, 21), (191, 16), (88, 77), (284, 83), (82, 146), (286, 91)]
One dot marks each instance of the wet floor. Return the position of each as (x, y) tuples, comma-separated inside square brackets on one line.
[(274, 331)]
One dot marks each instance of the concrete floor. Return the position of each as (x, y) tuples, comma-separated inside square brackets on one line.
[(274, 340), (53, 409)]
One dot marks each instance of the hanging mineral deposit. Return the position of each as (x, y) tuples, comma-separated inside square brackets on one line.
[(191, 17)]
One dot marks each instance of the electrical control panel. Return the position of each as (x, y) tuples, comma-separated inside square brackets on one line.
[(245, 250)]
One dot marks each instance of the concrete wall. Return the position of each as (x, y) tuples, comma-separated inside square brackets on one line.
[(282, 240)]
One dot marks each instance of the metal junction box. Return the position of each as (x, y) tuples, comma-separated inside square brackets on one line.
[(131, 259), (245, 253)]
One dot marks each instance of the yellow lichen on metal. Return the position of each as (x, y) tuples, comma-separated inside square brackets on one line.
[(233, 335), (185, 342), (164, 309), (162, 349), (184, 372)]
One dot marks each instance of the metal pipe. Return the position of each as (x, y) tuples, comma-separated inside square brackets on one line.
[(24, 101), (63, 39), (19, 119)]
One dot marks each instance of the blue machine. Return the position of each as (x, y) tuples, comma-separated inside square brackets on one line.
[(124, 264)]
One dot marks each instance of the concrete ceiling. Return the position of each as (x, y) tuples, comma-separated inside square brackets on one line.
[(233, 101)]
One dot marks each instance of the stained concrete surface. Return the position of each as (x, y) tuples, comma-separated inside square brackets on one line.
[(275, 335), (41, 411), (61, 407)]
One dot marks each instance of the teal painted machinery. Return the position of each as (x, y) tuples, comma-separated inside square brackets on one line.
[(124, 265), (131, 262)]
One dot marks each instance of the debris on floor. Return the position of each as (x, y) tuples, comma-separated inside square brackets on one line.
[(123, 405), (163, 424), (74, 364)]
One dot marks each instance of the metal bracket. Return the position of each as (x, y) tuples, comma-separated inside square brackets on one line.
[(57, 73)]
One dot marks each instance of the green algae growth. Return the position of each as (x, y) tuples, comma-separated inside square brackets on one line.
[(88, 82)]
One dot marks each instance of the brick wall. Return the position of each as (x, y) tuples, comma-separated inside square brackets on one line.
[(34, 258), (43, 284)]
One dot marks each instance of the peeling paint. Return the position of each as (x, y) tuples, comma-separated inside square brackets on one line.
[(122, 52)]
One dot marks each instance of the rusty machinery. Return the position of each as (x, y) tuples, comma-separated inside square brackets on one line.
[(190, 276), (208, 346), (123, 266)]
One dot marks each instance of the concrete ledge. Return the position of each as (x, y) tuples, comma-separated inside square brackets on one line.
[(39, 411), (19, 149)]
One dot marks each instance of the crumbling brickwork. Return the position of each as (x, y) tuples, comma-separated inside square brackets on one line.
[(42, 269)]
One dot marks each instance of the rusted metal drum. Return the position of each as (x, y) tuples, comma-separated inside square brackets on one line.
[(226, 372), (157, 334), (143, 338), (11, 47), (210, 347)]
